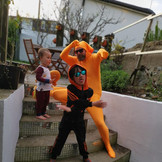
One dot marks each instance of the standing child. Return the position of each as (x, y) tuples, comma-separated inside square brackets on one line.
[(44, 85), (79, 95)]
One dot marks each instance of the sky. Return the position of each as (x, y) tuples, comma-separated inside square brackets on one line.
[(29, 8)]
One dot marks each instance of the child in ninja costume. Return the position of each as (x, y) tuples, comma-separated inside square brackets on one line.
[(79, 95)]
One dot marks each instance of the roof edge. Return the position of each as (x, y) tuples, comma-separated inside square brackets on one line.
[(130, 6)]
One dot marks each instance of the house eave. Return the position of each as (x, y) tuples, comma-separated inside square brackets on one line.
[(134, 8)]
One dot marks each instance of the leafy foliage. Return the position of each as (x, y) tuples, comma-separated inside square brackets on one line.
[(109, 65), (157, 35), (113, 78), (13, 28)]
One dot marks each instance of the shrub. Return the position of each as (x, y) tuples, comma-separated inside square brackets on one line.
[(109, 65), (115, 81)]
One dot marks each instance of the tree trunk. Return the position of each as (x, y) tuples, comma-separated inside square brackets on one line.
[(3, 29), (12, 52)]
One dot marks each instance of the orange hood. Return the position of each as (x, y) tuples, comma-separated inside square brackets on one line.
[(87, 47), (85, 86)]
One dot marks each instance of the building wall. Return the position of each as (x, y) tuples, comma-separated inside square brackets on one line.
[(138, 124), (1, 128), (128, 37), (28, 33)]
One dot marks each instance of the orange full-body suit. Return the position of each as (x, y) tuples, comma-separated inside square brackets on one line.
[(92, 64)]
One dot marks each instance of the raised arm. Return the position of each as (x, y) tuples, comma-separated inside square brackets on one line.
[(65, 53), (102, 54)]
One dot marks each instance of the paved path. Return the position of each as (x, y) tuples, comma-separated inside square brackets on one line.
[(30, 79)]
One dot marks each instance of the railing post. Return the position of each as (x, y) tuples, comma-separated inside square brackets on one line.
[(85, 37), (97, 42), (73, 35), (59, 35)]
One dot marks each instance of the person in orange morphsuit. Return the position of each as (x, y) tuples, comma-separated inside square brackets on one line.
[(91, 62)]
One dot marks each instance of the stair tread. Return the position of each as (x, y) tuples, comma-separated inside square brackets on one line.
[(48, 140), (53, 118), (34, 141), (102, 155), (31, 99), (35, 147)]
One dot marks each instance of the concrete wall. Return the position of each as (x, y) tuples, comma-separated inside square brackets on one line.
[(10, 114), (138, 123)]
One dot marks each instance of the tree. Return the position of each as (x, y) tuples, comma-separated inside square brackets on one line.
[(73, 19), (14, 27)]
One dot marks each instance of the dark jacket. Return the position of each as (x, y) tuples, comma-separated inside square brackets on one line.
[(78, 100)]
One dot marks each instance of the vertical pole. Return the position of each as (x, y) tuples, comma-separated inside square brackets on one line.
[(73, 35), (60, 35), (85, 37), (39, 9), (97, 44), (142, 49)]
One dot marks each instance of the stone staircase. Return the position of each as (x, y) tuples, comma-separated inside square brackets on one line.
[(36, 136)]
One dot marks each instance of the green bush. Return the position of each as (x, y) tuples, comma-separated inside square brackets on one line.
[(114, 81), (109, 65)]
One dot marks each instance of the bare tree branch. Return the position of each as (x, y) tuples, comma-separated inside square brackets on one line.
[(71, 17), (74, 20)]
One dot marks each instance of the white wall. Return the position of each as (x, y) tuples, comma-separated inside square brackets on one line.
[(10, 114), (129, 37), (27, 33), (138, 123)]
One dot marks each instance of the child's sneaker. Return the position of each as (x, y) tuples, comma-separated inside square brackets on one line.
[(87, 160)]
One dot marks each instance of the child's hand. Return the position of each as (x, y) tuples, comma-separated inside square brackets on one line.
[(63, 107), (52, 81), (99, 103)]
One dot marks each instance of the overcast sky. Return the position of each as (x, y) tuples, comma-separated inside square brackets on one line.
[(29, 8)]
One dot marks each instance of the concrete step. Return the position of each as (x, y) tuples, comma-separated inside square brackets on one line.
[(37, 136), (122, 155), (29, 106), (30, 125), (35, 148)]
